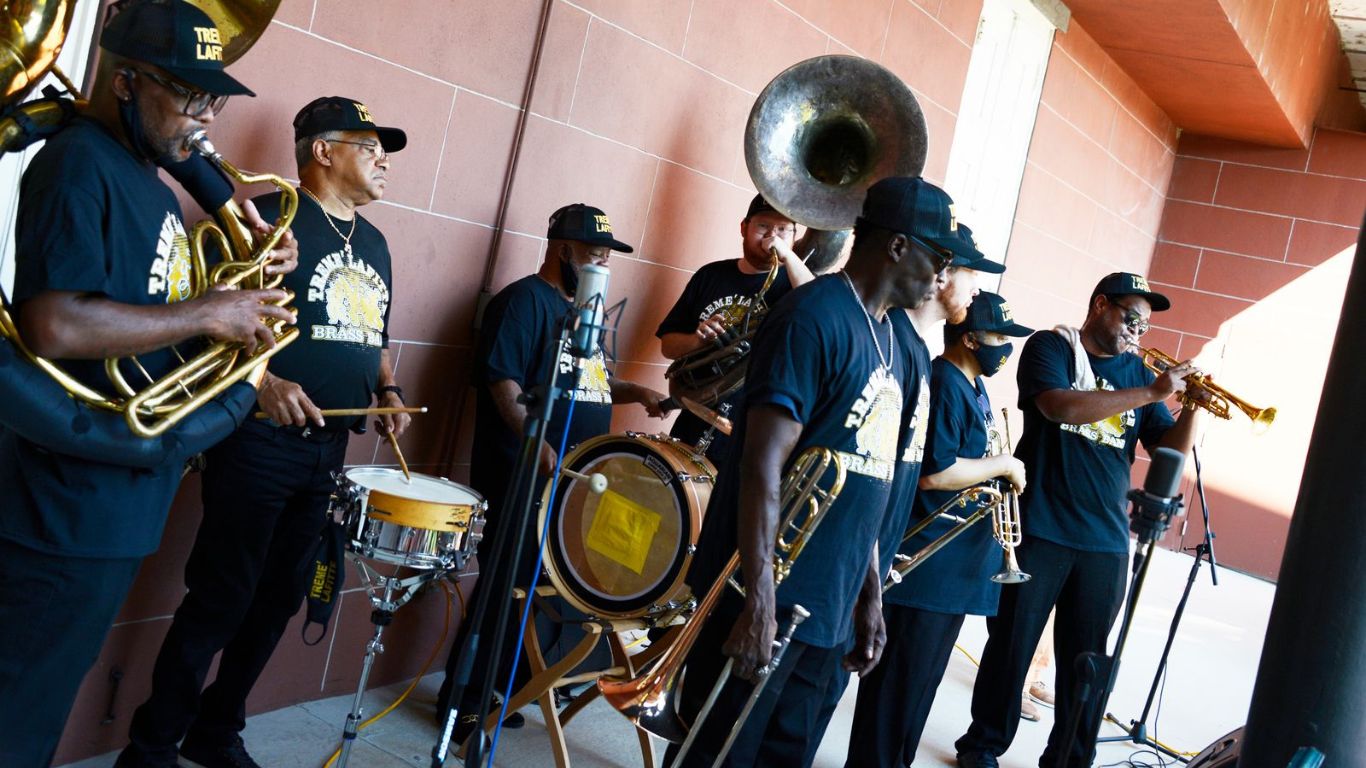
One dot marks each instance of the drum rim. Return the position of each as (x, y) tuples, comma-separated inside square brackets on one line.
[(673, 454)]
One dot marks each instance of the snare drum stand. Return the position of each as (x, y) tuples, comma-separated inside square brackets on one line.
[(383, 614)]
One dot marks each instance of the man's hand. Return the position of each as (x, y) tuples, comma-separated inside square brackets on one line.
[(241, 316), (392, 422), (284, 258), (546, 463), (782, 246), (870, 633), (285, 402), (1172, 380), (751, 639), (652, 400), (1015, 473), (711, 328)]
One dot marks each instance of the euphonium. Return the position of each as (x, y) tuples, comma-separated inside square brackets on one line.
[(153, 407), (650, 700), (1218, 399)]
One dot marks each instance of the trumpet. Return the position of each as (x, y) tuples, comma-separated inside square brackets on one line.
[(650, 700), (1005, 524), (1217, 401)]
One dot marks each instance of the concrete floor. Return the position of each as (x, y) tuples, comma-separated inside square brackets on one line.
[(1206, 694)]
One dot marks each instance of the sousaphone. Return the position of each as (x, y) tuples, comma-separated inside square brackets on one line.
[(818, 136)]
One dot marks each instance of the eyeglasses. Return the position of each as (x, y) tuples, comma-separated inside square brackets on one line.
[(196, 102), (1133, 320), (943, 256), (777, 230), (374, 151)]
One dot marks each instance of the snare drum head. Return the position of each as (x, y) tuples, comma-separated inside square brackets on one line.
[(617, 553), (423, 487)]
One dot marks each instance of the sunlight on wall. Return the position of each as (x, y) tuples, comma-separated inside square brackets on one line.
[(1274, 354)]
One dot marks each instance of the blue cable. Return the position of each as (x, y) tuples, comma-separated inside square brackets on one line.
[(535, 576)]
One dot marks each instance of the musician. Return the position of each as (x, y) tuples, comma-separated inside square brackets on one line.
[(520, 325), (266, 488), (104, 269), (963, 448), (826, 371), (718, 295), (1087, 402)]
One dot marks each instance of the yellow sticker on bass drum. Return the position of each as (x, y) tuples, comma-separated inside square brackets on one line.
[(623, 531)]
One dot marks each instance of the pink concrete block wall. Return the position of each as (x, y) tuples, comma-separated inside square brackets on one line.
[(1253, 250)]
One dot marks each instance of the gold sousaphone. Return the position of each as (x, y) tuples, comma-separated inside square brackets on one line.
[(33, 36), (818, 136)]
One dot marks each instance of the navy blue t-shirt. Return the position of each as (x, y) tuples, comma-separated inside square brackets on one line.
[(1079, 474), (520, 325), (814, 358), (93, 219), (343, 301), (718, 288), (957, 578), (911, 443)]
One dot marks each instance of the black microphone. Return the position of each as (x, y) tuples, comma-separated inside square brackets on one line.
[(1157, 502), (590, 306)]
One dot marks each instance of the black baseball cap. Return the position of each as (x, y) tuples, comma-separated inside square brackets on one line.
[(585, 224), (338, 113), (1129, 284), (988, 312), (760, 205), (915, 207), (175, 36), (982, 263)]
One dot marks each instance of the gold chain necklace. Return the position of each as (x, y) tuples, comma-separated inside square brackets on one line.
[(346, 238)]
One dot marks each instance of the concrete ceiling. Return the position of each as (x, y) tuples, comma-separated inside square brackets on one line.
[(1350, 16)]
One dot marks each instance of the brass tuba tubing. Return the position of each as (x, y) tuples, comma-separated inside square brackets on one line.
[(650, 701), (1219, 399)]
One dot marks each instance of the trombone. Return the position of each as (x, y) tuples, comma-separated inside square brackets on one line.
[(650, 701), (984, 498), (1218, 399)]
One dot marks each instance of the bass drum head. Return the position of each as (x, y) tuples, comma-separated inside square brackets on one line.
[(619, 553), (1222, 753)]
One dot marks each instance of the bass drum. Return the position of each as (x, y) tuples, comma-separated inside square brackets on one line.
[(1222, 753), (623, 553)]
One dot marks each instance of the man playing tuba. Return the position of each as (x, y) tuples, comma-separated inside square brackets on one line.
[(100, 244)]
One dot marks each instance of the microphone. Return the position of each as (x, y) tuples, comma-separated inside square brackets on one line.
[(590, 306), (1157, 501)]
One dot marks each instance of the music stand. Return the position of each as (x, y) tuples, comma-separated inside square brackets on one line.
[(1138, 729)]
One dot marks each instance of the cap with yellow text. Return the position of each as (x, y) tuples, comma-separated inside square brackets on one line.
[(1129, 284), (338, 113), (585, 224), (176, 37)]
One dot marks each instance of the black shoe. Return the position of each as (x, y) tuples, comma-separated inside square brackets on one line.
[(465, 726), (514, 721), (977, 760), (233, 754)]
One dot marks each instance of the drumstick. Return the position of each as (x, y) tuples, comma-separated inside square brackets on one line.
[(358, 412), (403, 465)]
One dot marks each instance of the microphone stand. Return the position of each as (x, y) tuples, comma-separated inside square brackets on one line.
[(1138, 729), (1149, 520), (507, 544)]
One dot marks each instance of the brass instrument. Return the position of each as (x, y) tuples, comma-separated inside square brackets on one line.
[(1219, 399), (154, 407), (984, 497), (650, 700), (821, 133), (1005, 524)]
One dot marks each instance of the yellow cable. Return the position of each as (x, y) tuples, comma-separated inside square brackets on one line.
[(963, 651), (427, 664)]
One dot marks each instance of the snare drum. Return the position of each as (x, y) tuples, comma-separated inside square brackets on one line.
[(623, 553), (428, 523)]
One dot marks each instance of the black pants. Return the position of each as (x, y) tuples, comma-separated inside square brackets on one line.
[(787, 722), (54, 612), (894, 699), (1088, 590), (265, 493)]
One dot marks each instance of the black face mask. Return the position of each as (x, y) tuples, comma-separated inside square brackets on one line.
[(569, 277), (131, 119), (992, 359)]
